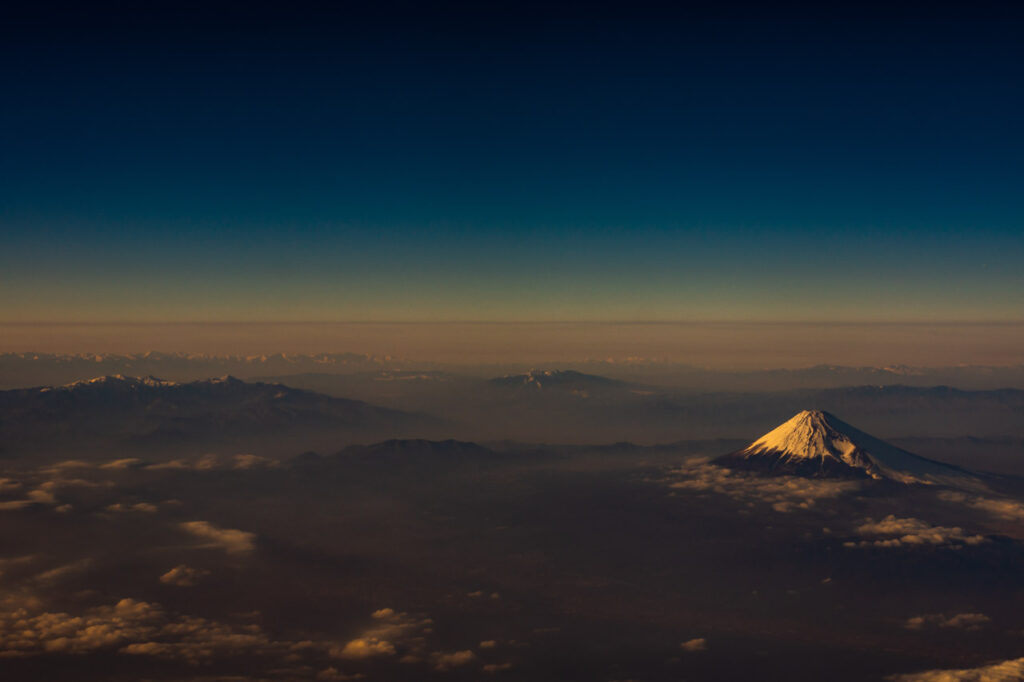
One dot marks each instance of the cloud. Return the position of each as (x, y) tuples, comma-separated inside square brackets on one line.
[(45, 492), (129, 626), (1001, 508), (455, 659), (1005, 671), (9, 484), (56, 574), (332, 674), (963, 621), (367, 647), (230, 540), (497, 667), (784, 493), (123, 507), (698, 644), (126, 463), (215, 462), (390, 631), (488, 644), (42, 496), (910, 532), (183, 576)]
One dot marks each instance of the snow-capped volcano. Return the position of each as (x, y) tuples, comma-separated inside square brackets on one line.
[(816, 443)]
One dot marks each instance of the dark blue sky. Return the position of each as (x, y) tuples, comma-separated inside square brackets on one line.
[(510, 161)]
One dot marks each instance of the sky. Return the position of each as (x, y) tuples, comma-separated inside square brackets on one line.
[(511, 162)]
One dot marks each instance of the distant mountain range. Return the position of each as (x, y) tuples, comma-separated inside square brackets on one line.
[(19, 370), (151, 413), (326, 411), (558, 380), (574, 407)]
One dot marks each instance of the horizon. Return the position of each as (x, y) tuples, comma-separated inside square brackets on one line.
[(470, 165), (718, 345)]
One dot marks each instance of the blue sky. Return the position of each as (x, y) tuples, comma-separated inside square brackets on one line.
[(514, 162)]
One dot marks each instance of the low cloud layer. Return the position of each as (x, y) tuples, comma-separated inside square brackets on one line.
[(893, 532), (183, 576), (1000, 508), (697, 644), (456, 659), (228, 539), (783, 493), (960, 621), (390, 633), (129, 627), (1005, 671)]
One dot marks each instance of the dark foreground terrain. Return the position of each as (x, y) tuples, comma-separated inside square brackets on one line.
[(416, 560)]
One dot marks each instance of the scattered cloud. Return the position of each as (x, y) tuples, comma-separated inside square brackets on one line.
[(390, 631), (332, 674), (42, 496), (697, 644), (123, 507), (9, 484), (497, 667), (367, 647), (129, 627), (1005, 671), (962, 621), (1000, 508), (783, 493), (228, 539), (126, 463), (910, 532), (183, 576), (56, 574), (455, 659), (488, 644), (217, 462), (44, 492)]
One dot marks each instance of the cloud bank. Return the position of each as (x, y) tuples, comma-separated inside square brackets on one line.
[(893, 532), (784, 493)]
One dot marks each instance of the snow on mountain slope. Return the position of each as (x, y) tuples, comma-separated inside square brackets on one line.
[(816, 443)]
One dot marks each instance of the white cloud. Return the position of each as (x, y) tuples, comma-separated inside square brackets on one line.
[(56, 574), (697, 644), (45, 492), (9, 484), (124, 507), (131, 627), (183, 576), (1005, 671), (910, 532), (332, 674), (42, 496), (138, 628), (456, 659), (215, 462), (783, 493), (228, 539), (496, 667), (125, 463), (1001, 508), (390, 631), (962, 621)]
